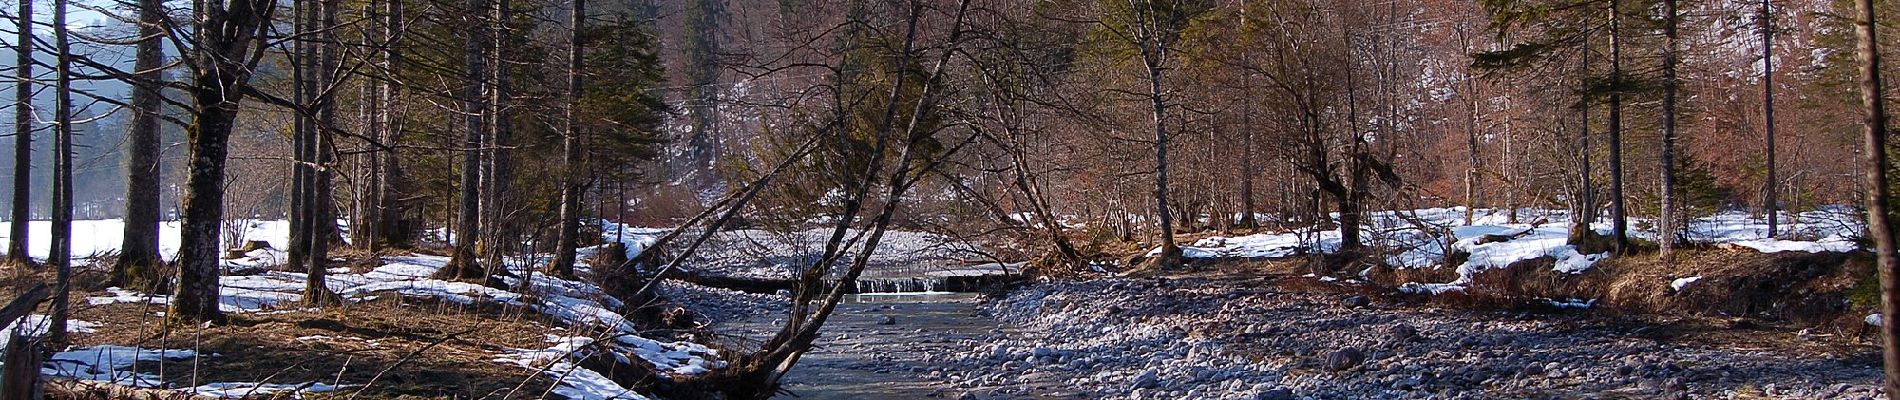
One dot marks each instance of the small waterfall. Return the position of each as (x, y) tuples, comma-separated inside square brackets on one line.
[(936, 278), (900, 285)]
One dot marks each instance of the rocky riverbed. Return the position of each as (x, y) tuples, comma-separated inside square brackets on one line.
[(1281, 338), (1198, 338)]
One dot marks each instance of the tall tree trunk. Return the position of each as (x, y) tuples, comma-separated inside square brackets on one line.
[(225, 59), (1879, 224), (323, 230), (1472, 161), (139, 264), (1619, 215), (1770, 204), (1352, 199), (500, 176), (391, 227), (1247, 168), (1153, 53), (463, 264), (303, 135), (22, 141), (61, 253), (1666, 224), (568, 237), (365, 221), (1583, 210)]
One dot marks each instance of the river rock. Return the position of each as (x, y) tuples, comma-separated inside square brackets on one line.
[(1356, 301), (1402, 333), (1345, 358), (888, 320), (1147, 379), (1275, 394)]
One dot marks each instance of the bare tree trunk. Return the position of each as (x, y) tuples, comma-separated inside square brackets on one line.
[(1247, 168), (1619, 216), (22, 141), (1472, 161), (225, 59), (365, 221), (1583, 208), (500, 171), (61, 253), (1666, 224), (568, 237), (1153, 54), (303, 135), (391, 226), (1879, 225), (462, 264), (322, 195), (139, 265), (1352, 199), (1770, 204)]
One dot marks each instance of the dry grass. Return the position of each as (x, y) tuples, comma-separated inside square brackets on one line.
[(349, 345)]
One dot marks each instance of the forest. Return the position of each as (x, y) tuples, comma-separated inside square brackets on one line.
[(971, 199)]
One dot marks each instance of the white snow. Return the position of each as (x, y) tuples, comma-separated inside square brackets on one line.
[(36, 325), (1569, 261), (1678, 284), (94, 237), (1415, 239), (106, 364), (575, 382)]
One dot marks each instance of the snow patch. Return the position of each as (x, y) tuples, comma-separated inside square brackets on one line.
[(1678, 284)]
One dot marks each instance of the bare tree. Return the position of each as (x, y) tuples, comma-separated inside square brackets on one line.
[(222, 62), (1153, 27)]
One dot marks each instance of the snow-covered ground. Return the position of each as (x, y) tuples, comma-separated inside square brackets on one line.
[(1415, 238), (592, 324), (97, 237), (580, 304)]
